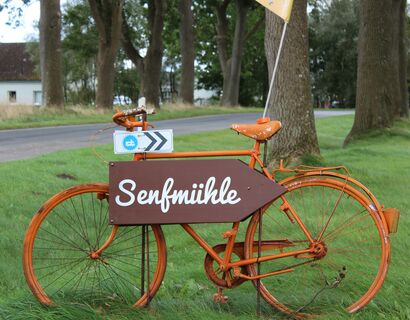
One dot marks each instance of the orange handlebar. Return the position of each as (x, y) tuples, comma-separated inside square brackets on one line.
[(126, 118)]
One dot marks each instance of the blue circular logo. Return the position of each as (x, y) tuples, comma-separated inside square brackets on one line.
[(130, 143)]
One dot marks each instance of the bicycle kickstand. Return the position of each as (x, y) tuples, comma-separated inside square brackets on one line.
[(219, 297)]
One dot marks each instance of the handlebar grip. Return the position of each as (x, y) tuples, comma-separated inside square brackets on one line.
[(126, 118)]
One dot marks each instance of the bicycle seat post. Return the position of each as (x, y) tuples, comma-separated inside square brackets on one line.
[(144, 121)]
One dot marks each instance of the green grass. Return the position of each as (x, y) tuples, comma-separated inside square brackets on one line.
[(381, 161), (28, 117)]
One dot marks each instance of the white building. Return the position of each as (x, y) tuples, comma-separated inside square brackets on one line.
[(19, 82)]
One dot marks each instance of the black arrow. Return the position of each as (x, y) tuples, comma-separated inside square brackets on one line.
[(153, 141), (163, 141)]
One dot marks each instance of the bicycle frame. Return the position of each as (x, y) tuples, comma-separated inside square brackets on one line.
[(303, 204), (224, 263), (320, 256)]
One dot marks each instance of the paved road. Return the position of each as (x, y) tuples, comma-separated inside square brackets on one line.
[(28, 143)]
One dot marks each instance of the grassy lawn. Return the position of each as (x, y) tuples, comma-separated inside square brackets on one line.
[(29, 117), (381, 161)]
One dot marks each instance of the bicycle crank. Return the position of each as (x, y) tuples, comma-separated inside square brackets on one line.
[(224, 279)]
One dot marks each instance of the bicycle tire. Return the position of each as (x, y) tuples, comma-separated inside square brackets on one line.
[(355, 249), (57, 261)]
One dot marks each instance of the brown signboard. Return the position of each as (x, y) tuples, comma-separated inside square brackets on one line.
[(186, 191)]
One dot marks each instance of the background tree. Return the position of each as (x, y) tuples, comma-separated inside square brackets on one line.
[(378, 89), (187, 51), (230, 56), (171, 72), (51, 53), (80, 49), (333, 31), (253, 63), (107, 15), (149, 66), (254, 71), (126, 80), (402, 52), (291, 101)]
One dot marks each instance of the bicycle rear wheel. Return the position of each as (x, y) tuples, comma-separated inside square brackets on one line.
[(57, 256), (351, 243)]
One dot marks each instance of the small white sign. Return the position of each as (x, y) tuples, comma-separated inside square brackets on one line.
[(143, 141)]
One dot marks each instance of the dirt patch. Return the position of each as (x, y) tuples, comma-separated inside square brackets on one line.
[(66, 176)]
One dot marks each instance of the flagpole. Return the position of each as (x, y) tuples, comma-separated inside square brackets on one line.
[(275, 69)]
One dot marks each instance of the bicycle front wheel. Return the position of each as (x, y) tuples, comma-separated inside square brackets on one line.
[(351, 248), (58, 260)]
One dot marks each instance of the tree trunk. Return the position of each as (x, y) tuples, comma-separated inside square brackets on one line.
[(377, 78), (132, 53), (222, 43), (153, 59), (291, 102), (187, 50), (230, 97), (231, 64), (403, 63), (51, 54), (108, 18), (149, 67), (397, 68)]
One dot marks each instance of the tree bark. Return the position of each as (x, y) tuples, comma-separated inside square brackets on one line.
[(398, 70), (231, 96), (187, 50), (403, 63), (222, 42), (291, 102), (153, 59), (51, 54), (378, 90), (108, 19), (148, 67), (132, 53), (231, 64)]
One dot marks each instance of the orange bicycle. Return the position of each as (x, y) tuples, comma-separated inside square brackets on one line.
[(321, 243)]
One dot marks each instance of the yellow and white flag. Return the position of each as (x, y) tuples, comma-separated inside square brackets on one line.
[(280, 7)]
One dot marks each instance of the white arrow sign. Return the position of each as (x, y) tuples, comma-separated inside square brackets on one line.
[(143, 141)]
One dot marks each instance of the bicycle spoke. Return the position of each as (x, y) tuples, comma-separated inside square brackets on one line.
[(69, 242), (80, 224), (348, 243), (70, 267), (331, 215)]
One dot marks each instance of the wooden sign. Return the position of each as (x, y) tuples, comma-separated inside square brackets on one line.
[(186, 191)]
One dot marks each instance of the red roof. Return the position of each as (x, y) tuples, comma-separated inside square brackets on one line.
[(16, 64)]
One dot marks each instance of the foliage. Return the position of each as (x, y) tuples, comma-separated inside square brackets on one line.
[(208, 69), (172, 52), (254, 75), (254, 67), (14, 10), (126, 78), (333, 33), (80, 43)]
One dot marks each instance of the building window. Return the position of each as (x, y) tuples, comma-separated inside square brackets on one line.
[(37, 98), (12, 96)]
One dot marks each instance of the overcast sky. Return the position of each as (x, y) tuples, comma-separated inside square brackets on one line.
[(31, 16)]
